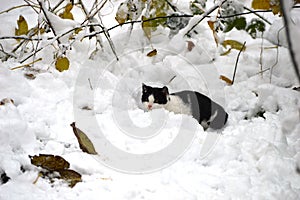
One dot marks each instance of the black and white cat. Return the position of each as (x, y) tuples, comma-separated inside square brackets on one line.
[(207, 112)]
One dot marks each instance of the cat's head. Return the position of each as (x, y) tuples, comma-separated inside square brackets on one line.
[(154, 97)]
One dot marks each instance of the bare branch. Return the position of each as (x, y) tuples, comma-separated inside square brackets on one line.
[(206, 14), (236, 62)]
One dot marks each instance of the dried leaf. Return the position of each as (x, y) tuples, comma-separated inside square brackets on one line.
[(261, 4), (152, 53), (211, 25), (190, 45), (49, 162), (22, 26), (227, 80), (234, 45), (71, 176), (122, 13), (62, 63), (67, 12), (85, 143), (146, 26)]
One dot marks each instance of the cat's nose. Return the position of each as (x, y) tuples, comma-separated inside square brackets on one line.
[(149, 107)]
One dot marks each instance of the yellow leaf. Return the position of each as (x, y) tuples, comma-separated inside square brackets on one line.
[(234, 45), (85, 143), (22, 26), (211, 25), (261, 4), (152, 53), (62, 63), (227, 80), (67, 12), (146, 27), (122, 13)]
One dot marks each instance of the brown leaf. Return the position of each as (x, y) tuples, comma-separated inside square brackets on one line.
[(49, 162), (190, 45), (226, 79), (85, 143), (211, 25), (71, 176), (152, 53)]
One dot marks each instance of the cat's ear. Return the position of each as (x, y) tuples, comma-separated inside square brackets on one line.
[(165, 90), (144, 87)]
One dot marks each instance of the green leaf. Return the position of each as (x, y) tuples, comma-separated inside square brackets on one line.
[(238, 23), (197, 7), (85, 143), (255, 26)]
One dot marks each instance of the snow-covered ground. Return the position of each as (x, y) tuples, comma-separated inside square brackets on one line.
[(158, 154)]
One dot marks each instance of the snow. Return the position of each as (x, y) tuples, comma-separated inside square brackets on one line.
[(157, 154)]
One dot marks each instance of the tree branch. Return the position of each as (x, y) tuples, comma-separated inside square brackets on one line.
[(204, 15), (236, 62)]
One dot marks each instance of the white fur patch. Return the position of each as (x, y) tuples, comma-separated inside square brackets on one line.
[(176, 105)]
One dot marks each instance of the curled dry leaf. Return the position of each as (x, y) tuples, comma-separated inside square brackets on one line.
[(152, 53), (71, 176), (234, 45), (85, 143), (190, 45), (49, 162), (226, 79)]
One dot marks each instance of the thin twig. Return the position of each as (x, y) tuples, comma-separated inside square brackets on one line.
[(236, 62), (261, 17), (204, 15), (48, 20), (16, 7), (261, 54), (26, 65)]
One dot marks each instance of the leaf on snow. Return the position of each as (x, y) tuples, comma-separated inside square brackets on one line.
[(49, 162), (71, 176), (85, 143), (67, 12), (62, 63), (190, 45), (152, 53), (226, 79), (234, 45), (22, 26)]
